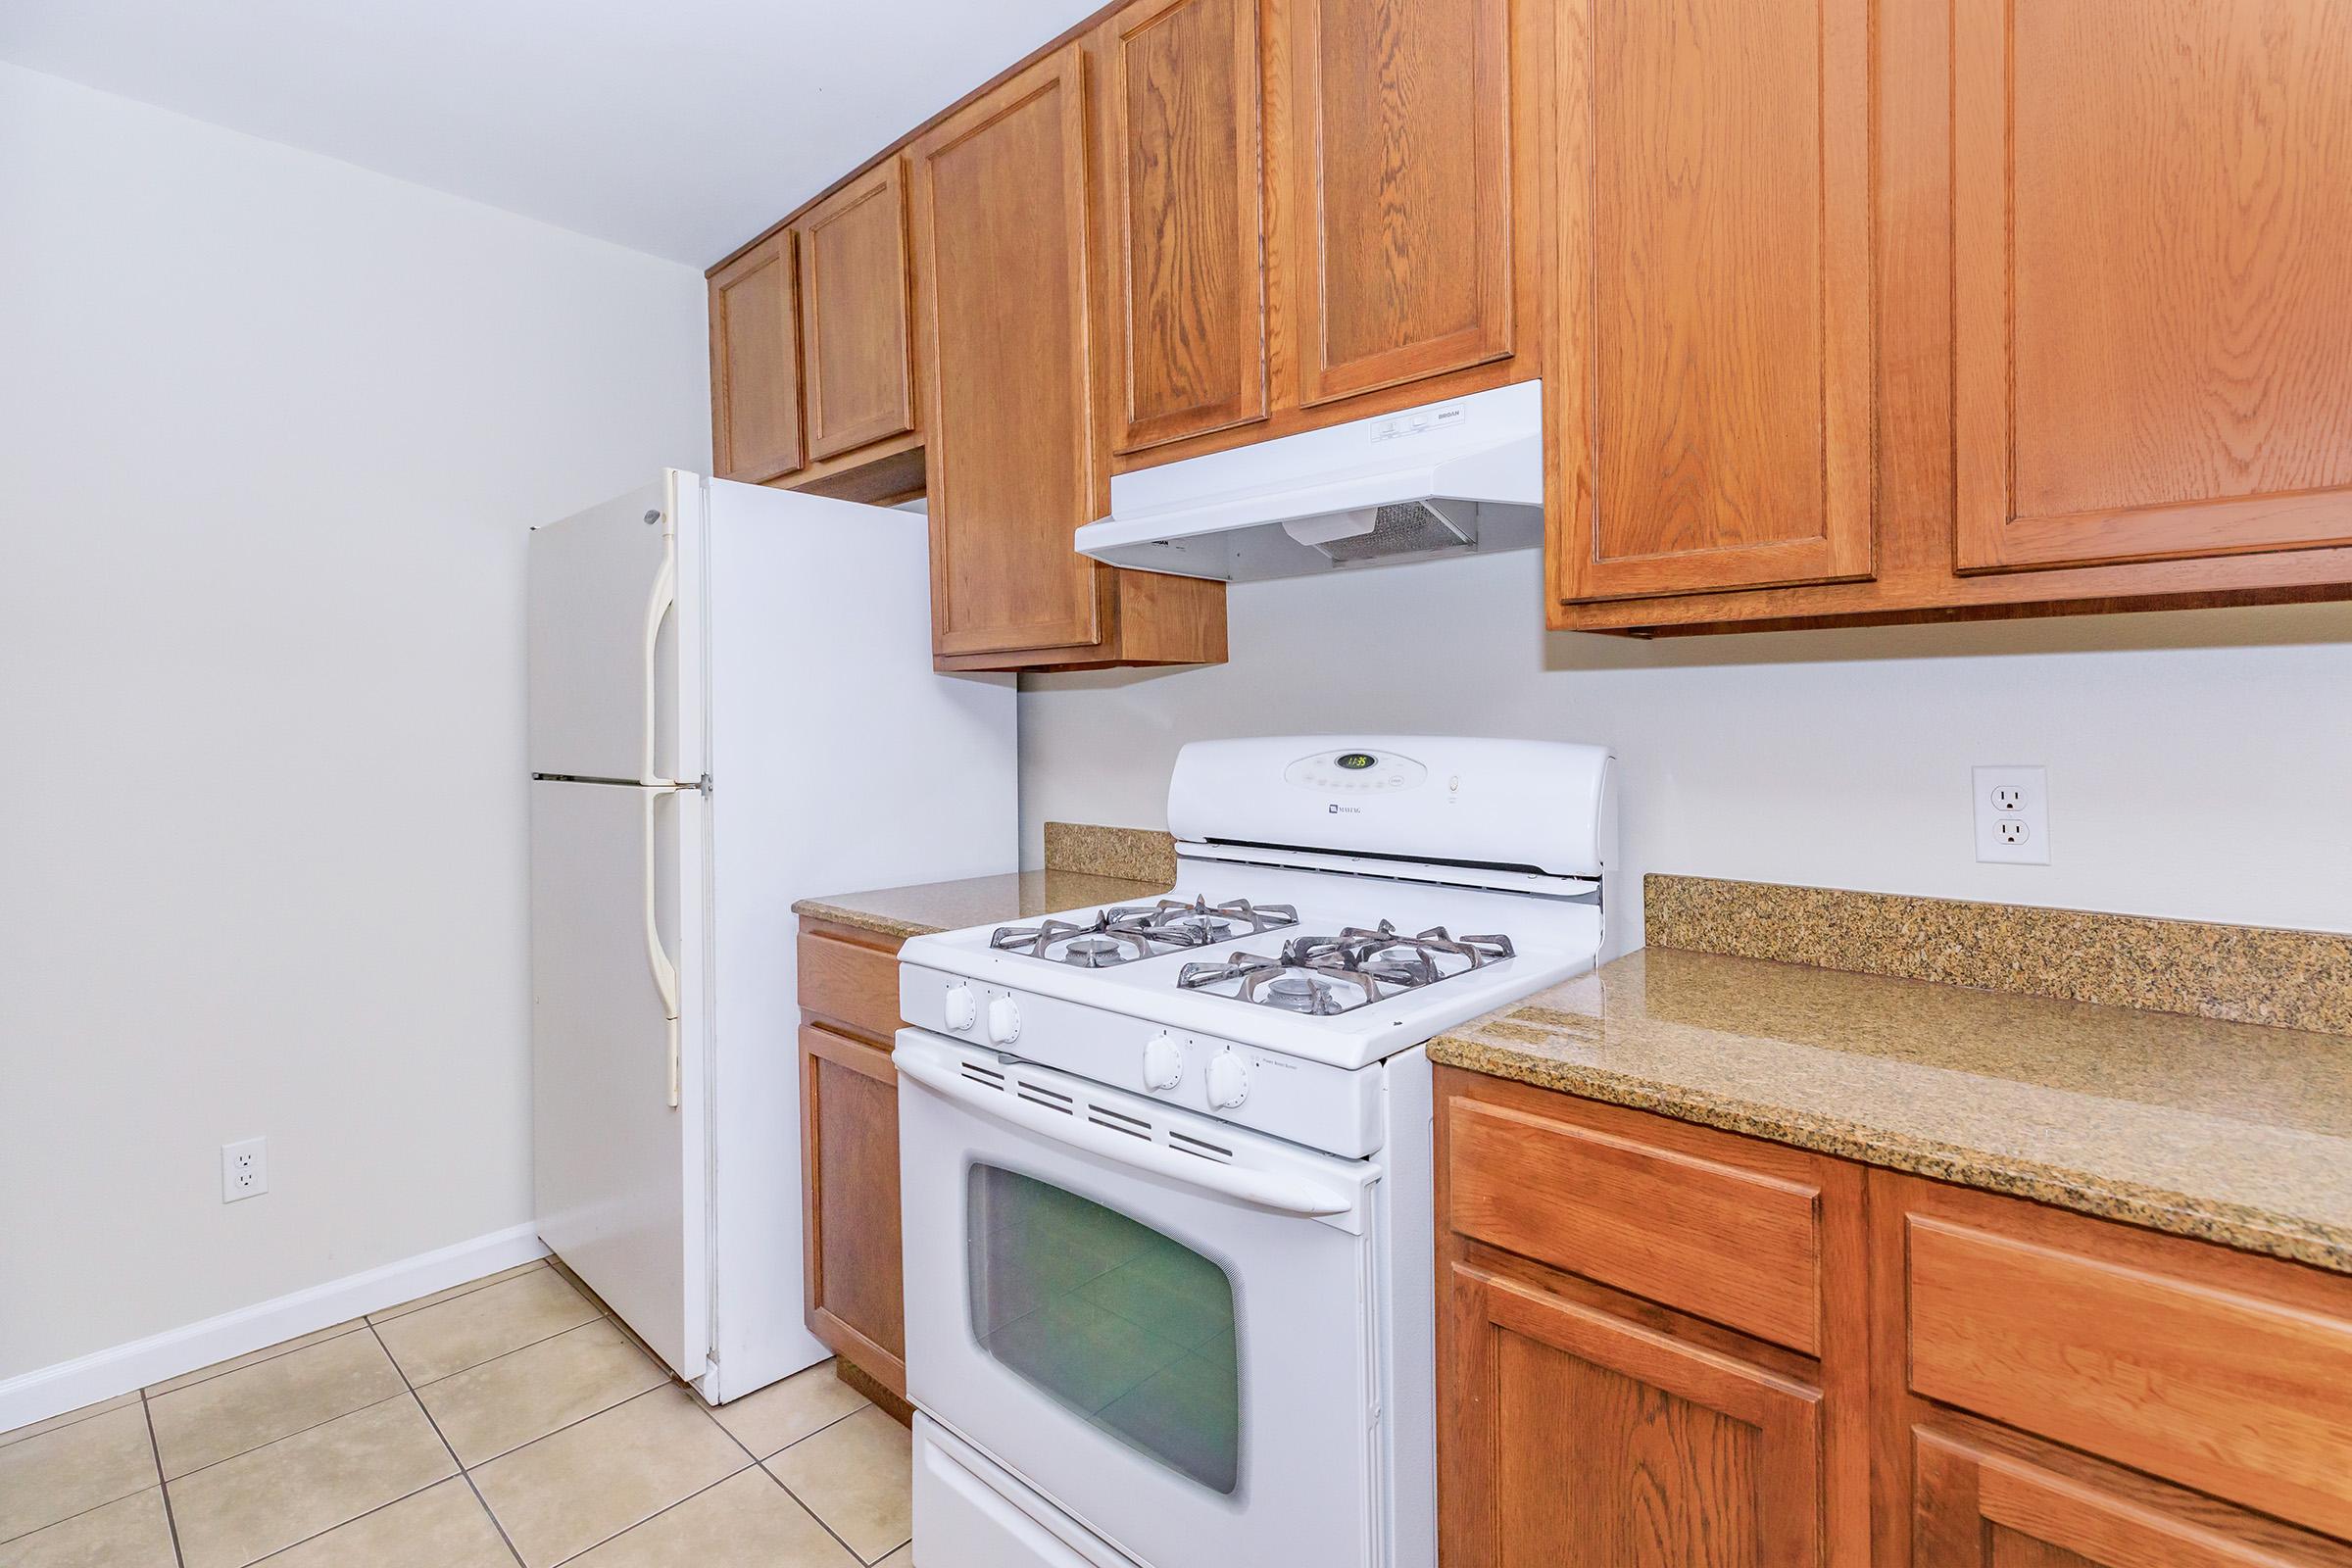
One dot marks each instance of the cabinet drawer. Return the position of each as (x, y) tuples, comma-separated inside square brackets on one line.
[(1673, 1220), (853, 982), (2097, 1343)]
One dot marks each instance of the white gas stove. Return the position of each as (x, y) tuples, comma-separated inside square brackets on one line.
[(1165, 1165)]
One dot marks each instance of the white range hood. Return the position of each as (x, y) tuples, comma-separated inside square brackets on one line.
[(1451, 478)]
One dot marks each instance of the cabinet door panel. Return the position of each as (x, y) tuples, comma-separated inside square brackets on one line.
[(2152, 259), (1982, 1499), (1714, 296), (1572, 1436), (1187, 339), (756, 365), (1000, 226), (850, 1195), (1401, 142), (852, 255)]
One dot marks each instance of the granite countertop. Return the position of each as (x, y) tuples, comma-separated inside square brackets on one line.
[(2229, 1132), (929, 907)]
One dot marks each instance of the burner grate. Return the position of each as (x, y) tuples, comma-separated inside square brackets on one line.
[(1325, 975), (1128, 933)]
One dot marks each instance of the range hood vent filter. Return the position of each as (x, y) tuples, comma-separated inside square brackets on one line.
[(1386, 533)]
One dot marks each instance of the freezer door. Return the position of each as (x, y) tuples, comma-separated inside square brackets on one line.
[(610, 697), (618, 1120)]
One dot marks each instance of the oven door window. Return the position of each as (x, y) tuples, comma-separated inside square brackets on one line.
[(1129, 1329)]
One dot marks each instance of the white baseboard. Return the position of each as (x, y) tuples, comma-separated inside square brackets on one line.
[(49, 1391)]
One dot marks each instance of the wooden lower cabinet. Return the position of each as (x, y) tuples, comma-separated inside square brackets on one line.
[(1952, 1379), (1985, 1498), (852, 1260), (850, 1163), (1577, 1435)]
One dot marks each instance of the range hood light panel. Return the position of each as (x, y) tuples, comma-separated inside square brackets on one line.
[(1449, 479)]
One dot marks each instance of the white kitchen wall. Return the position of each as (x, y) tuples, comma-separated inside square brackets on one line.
[(272, 431), (2200, 762)]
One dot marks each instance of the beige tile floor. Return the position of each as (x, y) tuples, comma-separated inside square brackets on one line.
[(502, 1422)]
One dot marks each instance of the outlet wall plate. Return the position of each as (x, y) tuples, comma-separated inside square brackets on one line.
[(2012, 815), (244, 1169)]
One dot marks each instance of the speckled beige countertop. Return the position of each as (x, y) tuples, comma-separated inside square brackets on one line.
[(2230, 1132), (929, 907)]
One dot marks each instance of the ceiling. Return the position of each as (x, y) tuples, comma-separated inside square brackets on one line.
[(679, 127)]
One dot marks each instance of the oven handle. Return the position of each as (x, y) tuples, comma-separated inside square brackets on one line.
[(1284, 1191)]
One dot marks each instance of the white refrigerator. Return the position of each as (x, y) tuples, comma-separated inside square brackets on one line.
[(732, 706)]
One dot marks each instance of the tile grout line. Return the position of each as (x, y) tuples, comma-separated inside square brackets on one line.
[(448, 1447), (529, 1345), (254, 1358), (799, 1502), (120, 1402), (83, 1513), (803, 1503), (251, 1360), (155, 1446), (356, 1409), (666, 1508)]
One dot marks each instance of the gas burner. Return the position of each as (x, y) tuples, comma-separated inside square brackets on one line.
[(1323, 975), (1123, 935), (1098, 946), (1197, 924)]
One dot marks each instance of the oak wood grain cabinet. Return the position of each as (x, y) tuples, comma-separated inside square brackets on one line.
[(854, 1272), (1611, 1288), (856, 299), (1397, 147), (1987, 1498), (2112, 244), (1002, 236), (1664, 1343), (756, 364), (1715, 284), (1182, 245)]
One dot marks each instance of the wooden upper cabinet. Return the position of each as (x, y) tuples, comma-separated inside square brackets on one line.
[(1184, 231), (1398, 247), (1002, 253), (1572, 1435), (1713, 426), (2152, 243), (756, 364), (853, 286)]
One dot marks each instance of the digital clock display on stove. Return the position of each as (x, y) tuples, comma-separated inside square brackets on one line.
[(1357, 760)]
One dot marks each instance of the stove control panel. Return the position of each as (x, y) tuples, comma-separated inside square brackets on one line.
[(1311, 1102), (1356, 773)]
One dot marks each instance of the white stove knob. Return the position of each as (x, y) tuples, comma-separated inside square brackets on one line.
[(1228, 1081), (961, 1008), (1004, 1022), (1163, 1062)]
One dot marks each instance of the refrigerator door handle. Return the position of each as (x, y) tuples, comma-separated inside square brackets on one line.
[(657, 606), (656, 958)]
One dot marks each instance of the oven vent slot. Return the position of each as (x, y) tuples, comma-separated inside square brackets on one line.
[(1118, 1121), (1040, 1094), (985, 1077), (1186, 1144)]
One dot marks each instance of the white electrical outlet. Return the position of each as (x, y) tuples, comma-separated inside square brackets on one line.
[(244, 1169), (2013, 815)]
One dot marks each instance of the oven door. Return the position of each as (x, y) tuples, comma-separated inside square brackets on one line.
[(1162, 1323)]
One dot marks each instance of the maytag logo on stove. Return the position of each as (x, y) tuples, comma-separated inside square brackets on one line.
[(1335, 808)]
